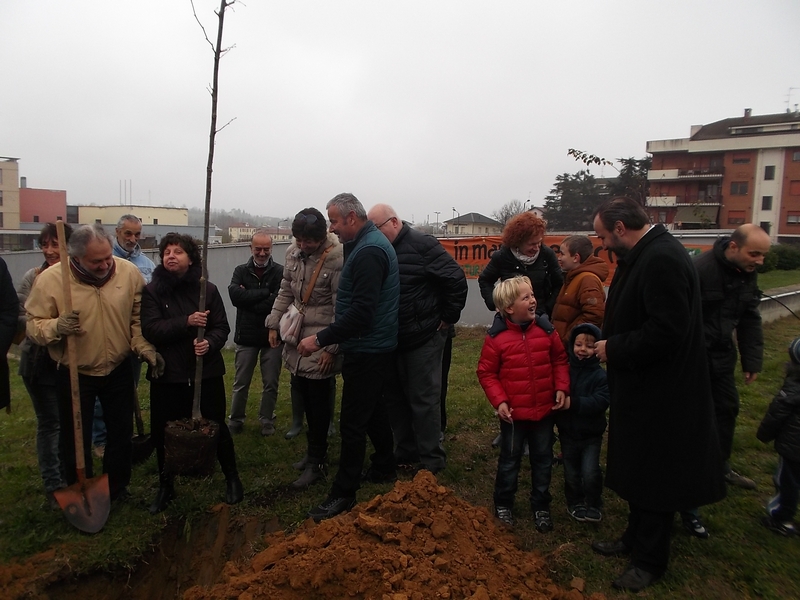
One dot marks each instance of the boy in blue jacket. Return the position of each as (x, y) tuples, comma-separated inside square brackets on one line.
[(782, 424), (581, 427)]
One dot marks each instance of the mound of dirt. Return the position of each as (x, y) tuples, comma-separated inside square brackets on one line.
[(416, 542)]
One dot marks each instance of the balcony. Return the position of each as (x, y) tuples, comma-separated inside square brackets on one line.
[(702, 173), (677, 201)]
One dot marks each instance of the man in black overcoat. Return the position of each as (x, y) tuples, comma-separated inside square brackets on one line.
[(663, 453)]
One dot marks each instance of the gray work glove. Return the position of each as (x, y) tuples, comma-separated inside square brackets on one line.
[(68, 323), (156, 362)]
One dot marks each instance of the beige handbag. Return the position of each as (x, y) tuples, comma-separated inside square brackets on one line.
[(291, 323)]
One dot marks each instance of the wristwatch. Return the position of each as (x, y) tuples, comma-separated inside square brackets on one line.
[(316, 341)]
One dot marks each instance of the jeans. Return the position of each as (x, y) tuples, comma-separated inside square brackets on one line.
[(783, 506), (245, 363), (540, 438), (99, 433), (45, 404), (316, 398), (115, 392), (583, 478), (365, 378), (414, 405)]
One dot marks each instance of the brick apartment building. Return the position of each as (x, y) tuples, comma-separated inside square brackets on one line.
[(734, 171)]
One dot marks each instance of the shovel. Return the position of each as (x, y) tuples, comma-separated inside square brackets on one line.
[(142, 444), (87, 502)]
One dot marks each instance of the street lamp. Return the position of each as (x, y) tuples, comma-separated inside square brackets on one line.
[(437, 212), (458, 219)]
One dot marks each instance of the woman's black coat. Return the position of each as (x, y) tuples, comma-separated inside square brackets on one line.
[(663, 453), (167, 302)]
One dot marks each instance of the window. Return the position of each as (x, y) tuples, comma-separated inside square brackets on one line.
[(736, 217), (766, 203), (35, 218), (98, 221), (765, 225), (715, 162), (793, 218), (1, 175), (1, 219), (739, 188), (741, 159), (794, 188), (1, 197), (769, 173), (155, 221), (795, 158), (662, 216)]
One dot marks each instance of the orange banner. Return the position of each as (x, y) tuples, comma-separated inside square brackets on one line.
[(474, 253)]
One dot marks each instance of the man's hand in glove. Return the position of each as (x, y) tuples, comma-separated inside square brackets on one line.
[(156, 362), (68, 323)]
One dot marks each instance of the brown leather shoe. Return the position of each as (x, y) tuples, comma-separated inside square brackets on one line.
[(634, 579), (615, 548)]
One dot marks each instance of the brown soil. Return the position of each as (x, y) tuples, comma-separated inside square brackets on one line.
[(416, 542)]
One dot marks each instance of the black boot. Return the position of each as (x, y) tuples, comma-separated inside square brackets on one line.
[(297, 415), (314, 471), (234, 492), (165, 495)]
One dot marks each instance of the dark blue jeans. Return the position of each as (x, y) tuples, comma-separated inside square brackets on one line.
[(783, 506), (540, 438), (583, 478), (48, 425)]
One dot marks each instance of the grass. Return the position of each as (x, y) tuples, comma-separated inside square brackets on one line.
[(776, 279), (741, 559)]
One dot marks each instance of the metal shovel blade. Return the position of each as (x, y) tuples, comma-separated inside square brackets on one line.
[(86, 504)]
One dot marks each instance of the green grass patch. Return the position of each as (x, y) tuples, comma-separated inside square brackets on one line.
[(741, 559), (775, 279)]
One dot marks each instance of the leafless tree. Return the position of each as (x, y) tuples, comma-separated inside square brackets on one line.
[(508, 210)]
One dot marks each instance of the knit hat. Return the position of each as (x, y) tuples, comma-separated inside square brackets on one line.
[(794, 350)]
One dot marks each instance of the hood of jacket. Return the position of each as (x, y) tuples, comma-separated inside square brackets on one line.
[(591, 329)]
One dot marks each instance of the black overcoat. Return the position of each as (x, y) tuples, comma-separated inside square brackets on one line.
[(663, 453)]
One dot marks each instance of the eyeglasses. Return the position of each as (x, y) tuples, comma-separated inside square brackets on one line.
[(385, 222), (304, 218)]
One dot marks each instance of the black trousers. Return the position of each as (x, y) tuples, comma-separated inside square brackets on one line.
[(726, 399), (173, 401), (116, 394), (648, 535), (315, 395), (363, 414)]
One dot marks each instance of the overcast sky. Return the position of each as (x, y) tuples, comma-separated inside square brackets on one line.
[(428, 106)]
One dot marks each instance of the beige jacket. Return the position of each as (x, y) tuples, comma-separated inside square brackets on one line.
[(109, 318), (319, 312)]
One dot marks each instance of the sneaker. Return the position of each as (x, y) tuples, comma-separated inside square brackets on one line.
[(739, 480), (694, 526), (331, 507), (785, 528), (267, 429), (496, 441), (235, 427), (593, 514), (504, 514), (577, 512), (542, 520)]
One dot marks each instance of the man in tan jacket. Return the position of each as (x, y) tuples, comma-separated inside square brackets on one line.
[(105, 325)]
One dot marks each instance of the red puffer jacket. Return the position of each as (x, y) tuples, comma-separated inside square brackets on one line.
[(523, 368)]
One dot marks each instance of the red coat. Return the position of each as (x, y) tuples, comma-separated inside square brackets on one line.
[(524, 369)]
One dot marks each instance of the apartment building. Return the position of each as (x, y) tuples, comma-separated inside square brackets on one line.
[(734, 171)]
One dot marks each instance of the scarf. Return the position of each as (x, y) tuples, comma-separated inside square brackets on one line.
[(524, 258), (84, 276)]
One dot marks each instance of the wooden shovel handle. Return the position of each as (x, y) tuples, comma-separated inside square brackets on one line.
[(72, 356)]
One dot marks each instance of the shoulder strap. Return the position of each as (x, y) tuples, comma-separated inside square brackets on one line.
[(311, 283)]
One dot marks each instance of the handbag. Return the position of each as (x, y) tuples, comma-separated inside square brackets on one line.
[(291, 323)]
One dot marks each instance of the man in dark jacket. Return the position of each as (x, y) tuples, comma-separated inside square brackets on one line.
[(663, 453), (253, 289), (365, 327), (9, 303), (433, 291), (729, 288)]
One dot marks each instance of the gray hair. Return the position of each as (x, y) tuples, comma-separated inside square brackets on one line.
[(128, 217), (346, 203), (84, 234), (261, 231)]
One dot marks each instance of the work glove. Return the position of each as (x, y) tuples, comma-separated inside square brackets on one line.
[(156, 362), (68, 323)]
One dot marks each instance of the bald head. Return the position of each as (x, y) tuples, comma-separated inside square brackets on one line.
[(748, 246), (385, 219)]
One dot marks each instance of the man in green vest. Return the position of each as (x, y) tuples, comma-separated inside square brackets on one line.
[(365, 327)]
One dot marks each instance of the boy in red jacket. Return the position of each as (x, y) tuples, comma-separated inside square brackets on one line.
[(524, 372)]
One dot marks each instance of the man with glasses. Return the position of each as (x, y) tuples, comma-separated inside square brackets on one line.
[(253, 289), (433, 292)]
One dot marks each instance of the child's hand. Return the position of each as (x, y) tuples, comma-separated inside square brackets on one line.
[(562, 401), (504, 412)]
